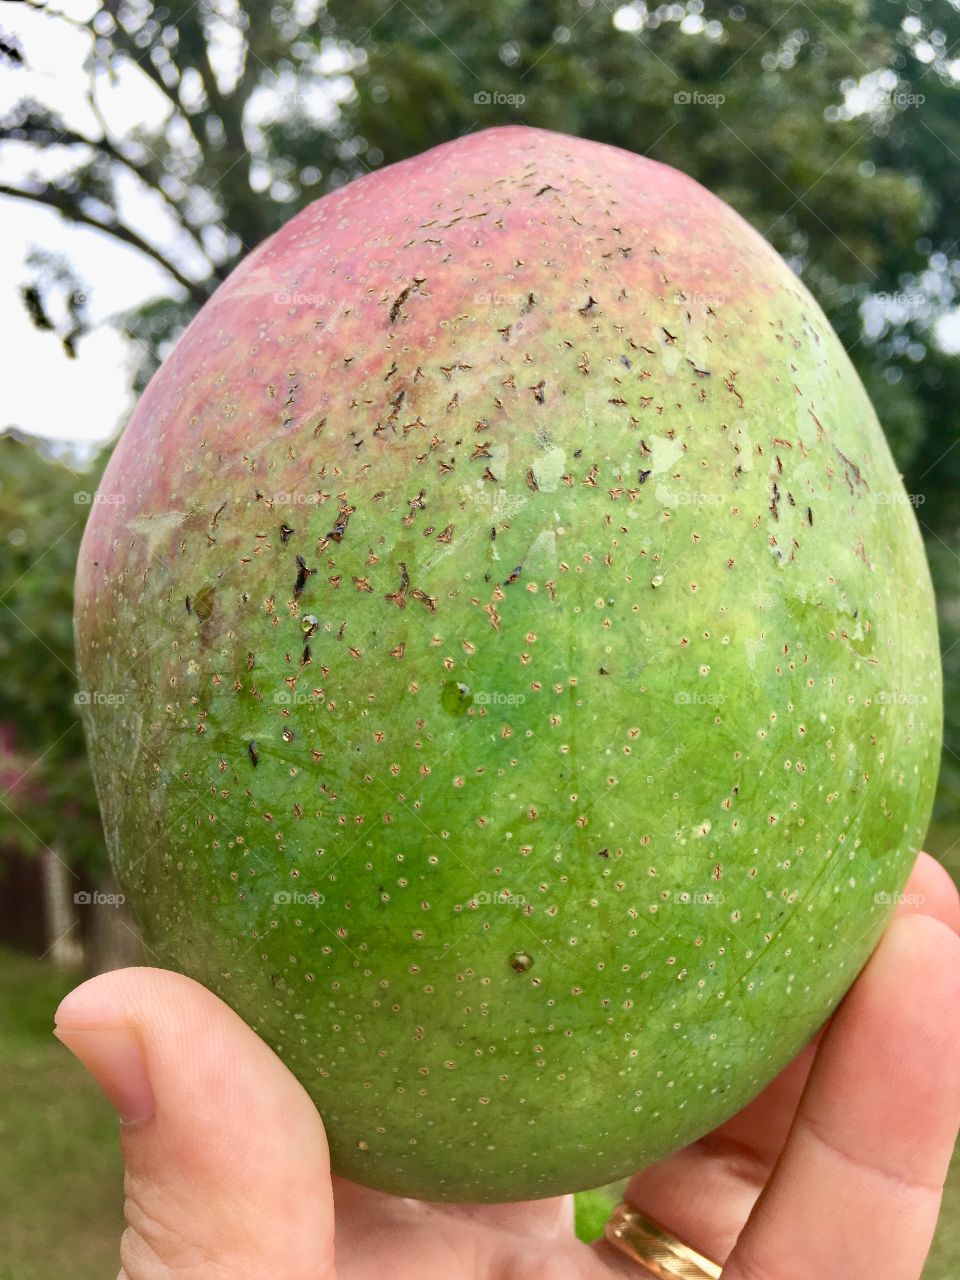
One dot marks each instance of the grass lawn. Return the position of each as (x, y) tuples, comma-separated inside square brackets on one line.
[(60, 1170)]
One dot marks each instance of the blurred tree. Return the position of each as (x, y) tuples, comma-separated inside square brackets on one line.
[(43, 508), (833, 127)]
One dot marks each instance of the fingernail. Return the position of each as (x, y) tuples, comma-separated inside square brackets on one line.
[(114, 1057)]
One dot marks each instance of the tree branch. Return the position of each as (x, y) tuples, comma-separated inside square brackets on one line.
[(59, 200), (122, 40)]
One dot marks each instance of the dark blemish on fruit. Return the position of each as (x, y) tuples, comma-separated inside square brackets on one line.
[(402, 297), (493, 533), (187, 602), (538, 392), (532, 481), (286, 533), (399, 597), (488, 475), (520, 962), (216, 515), (728, 383), (530, 303), (626, 362), (577, 453), (588, 306), (515, 574), (701, 373), (809, 517), (603, 853), (543, 189), (253, 753), (670, 337), (642, 475), (852, 469), (344, 512), (306, 657), (303, 573), (775, 501), (645, 448), (429, 602), (602, 671), (308, 624)]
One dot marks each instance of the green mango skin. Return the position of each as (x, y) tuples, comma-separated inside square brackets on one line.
[(618, 729)]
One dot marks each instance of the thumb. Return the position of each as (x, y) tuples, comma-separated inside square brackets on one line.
[(227, 1170)]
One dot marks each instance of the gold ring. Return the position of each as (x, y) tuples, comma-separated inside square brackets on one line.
[(652, 1245)]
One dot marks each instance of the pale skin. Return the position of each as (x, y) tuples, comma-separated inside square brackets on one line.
[(835, 1170)]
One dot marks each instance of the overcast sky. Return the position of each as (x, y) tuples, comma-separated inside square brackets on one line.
[(44, 392)]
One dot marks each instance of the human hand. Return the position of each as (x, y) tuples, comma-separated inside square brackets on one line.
[(835, 1170)]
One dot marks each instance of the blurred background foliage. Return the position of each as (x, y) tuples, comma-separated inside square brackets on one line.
[(833, 126)]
